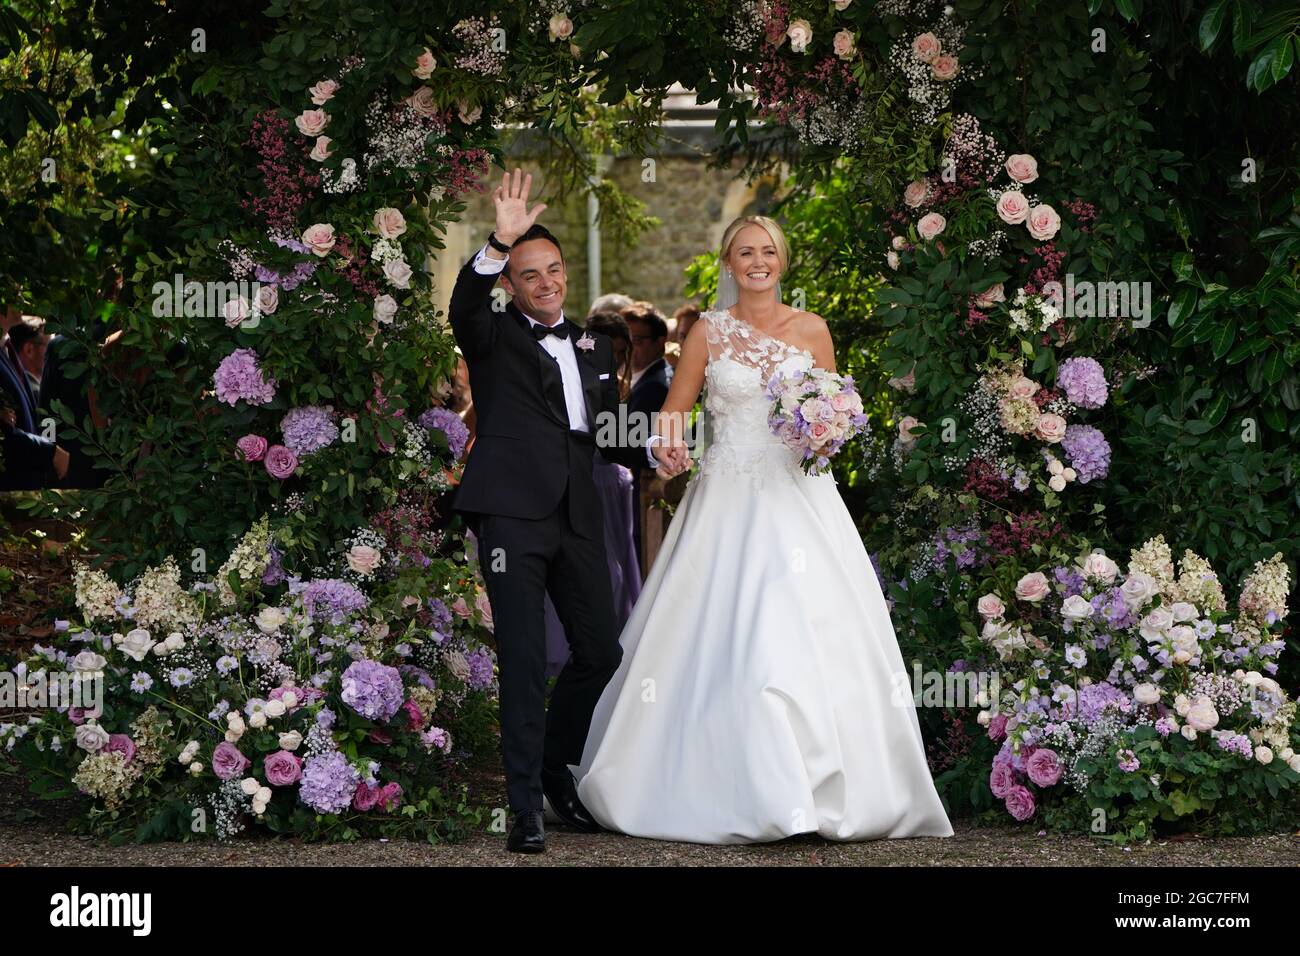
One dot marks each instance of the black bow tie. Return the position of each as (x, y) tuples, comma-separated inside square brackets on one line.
[(560, 328)]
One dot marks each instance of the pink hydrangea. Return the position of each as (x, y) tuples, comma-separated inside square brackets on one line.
[(239, 377)]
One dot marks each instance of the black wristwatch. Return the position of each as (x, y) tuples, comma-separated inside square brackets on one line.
[(496, 243)]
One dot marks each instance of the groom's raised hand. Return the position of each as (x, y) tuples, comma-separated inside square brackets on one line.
[(511, 199)]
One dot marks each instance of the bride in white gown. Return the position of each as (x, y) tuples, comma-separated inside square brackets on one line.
[(759, 691)]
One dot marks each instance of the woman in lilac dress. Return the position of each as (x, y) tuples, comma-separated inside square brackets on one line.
[(614, 487)]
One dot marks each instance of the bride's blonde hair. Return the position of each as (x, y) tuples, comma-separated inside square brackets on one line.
[(773, 230)]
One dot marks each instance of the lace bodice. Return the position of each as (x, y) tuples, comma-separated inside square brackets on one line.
[(738, 441)]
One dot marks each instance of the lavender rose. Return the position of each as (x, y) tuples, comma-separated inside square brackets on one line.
[(282, 768), (280, 462), (227, 762)]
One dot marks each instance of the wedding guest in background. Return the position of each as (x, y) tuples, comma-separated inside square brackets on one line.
[(614, 487), (680, 327), (609, 302), (651, 376), (31, 461), (73, 391), (29, 342)]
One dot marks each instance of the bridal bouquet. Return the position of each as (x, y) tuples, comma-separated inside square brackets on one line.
[(815, 411)]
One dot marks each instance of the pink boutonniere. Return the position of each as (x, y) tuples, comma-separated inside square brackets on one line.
[(585, 342)]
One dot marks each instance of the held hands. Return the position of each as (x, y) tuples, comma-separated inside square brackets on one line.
[(511, 199), (673, 459)]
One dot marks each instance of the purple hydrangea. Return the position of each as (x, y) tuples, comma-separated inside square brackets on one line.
[(308, 428), (1084, 381), (1088, 451), (480, 669), (239, 377), (338, 598), (1093, 699), (372, 689), (328, 782), (1071, 581), (449, 423)]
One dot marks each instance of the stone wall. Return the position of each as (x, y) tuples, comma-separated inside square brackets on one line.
[(693, 202)]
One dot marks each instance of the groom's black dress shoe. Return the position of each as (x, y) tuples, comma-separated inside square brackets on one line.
[(527, 835), (562, 794)]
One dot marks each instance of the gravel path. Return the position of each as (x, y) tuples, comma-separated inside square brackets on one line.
[(43, 843)]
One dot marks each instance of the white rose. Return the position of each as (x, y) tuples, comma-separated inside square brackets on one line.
[(1076, 608), (275, 708), (1264, 754), (91, 737), (196, 768), (249, 785), (1294, 762), (398, 273), (892, 259), (263, 795), (88, 662), (258, 720), (1188, 731), (1146, 693), (290, 741), (289, 699), (271, 619), (1157, 621), (189, 753), (135, 644), (1137, 589), (560, 27), (1202, 715), (800, 34), (1182, 611), (1056, 482), (385, 308), (233, 735), (175, 641)]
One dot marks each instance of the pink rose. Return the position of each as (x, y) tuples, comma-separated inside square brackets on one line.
[(365, 797), (843, 45), (1023, 387), (1020, 803), (252, 447), (916, 192), (282, 768), (267, 299), (312, 122), (926, 47), (321, 151), (227, 762), (998, 728), (905, 426), (800, 33), (484, 608), (363, 559), (381, 737), (424, 64), (1043, 222), (460, 607), (323, 91), (819, 433), (389, 222), (280, 462), (944, 68), (1013, 207), (422, 102), (841, 402), (398, 273), (390, 796), (1033, 587), (120, 743), (991, 296), (931, 225), (1043, 767), (1050, 428), (1022, 167), (1001, 779), (560, 27), (77, 715), (235, 311), (990, 606), (468, 114), (319, 237)]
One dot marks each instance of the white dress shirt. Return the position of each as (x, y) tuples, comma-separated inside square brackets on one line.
[(560, 349)]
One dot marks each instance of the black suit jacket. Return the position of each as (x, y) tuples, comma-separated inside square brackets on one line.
[(27, 455), (524, 453)]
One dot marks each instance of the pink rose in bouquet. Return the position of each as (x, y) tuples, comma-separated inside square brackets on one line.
[(814, 411)]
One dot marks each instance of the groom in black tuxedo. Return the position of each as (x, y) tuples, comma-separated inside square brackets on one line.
[(541, 387)]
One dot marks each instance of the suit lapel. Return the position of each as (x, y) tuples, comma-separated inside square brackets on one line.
[(590, 378)]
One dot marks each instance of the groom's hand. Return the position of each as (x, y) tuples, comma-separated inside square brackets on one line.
[(513, 215), (673, 459)]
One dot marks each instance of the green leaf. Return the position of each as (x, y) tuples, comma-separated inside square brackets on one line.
[(1212, 23), (1184, 304), (1223, 340)]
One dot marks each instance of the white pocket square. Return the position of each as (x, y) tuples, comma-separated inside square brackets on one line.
[(604, 375)]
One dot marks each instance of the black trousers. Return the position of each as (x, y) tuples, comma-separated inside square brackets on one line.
[(522, 560)]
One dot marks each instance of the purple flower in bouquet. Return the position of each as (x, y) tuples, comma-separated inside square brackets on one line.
[(1071, 581), (332, 596), (1044, 767), (450, 424), (239, 377), (227, 762), (373, 689), (120, 743), (1112, 606), (814, 412), (280, 462), (282, 768), (1001, 779), (328, 782), (1128, 761), (1020, 803), (274, 573), (1084, 381), (480, 669), (442, 619), (1165, 726), (1088, 451), (1093, 699), (308, 428)]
